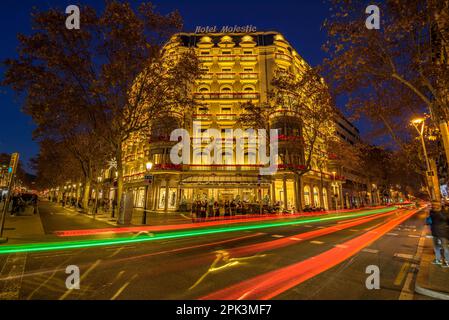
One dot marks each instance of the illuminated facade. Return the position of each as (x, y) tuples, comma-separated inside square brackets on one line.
[(237, 68)]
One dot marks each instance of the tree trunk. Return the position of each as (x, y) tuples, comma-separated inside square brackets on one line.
[(86, 193), (119, 178)]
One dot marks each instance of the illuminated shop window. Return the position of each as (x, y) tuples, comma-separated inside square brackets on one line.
[(307, 195)]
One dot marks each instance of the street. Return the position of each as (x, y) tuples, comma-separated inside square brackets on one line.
[(279, 259)]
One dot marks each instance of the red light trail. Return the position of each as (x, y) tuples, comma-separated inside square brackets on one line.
[(180, 226), (271, 284)]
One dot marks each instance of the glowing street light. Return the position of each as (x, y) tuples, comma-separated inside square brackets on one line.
[(149, 165), (419, 124)]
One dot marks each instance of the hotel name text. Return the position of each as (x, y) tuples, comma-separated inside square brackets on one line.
[(226, 29)]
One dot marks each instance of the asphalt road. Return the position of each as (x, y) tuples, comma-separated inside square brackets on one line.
[(325, 260)]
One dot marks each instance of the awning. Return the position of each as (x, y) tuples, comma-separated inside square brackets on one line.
[(225, 181)]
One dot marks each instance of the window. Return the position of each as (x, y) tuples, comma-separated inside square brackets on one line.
[(204, 53), (226, 70), (248, 89), (226, 52), (247, 52), (226, 110), (226, 89), (248, 70), (203, 90)]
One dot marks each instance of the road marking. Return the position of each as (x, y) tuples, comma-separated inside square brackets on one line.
[(277, 236), (404, 256), (295, 239), (321, 227), (11, 275), (123, 288), (402, 273), (391, 234), (308, 226), (413, 236), (406, 292), (316, 242), (342, 246), (65, 295), (367, 250)]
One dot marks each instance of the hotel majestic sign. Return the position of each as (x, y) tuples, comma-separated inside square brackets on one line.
[(226, 29)]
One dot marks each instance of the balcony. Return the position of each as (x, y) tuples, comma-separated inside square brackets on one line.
[(248, 57), (207, 76), (226, 58), (202, 116), (226, 96), (206, 58), (226, 116), (226, 75), (249, 75), (283, 57)]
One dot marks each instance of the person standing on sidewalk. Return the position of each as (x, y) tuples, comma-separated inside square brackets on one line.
[(439, 226)]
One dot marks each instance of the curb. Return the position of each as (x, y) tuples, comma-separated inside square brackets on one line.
[(431, 293)]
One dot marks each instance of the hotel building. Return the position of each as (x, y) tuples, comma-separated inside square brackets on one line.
[(238, 67)]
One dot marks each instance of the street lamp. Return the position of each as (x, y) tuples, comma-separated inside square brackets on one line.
[(419, 124), (149, 166), (334, 189)]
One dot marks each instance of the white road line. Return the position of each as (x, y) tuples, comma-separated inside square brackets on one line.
[(277, 236), (413, 236), (321, 227), (11, 275), (123, 288), (367, 250), (341, 246), (391, 234), (407, 293), (295, 239), (317, 242), (404, 256), (308, 226)]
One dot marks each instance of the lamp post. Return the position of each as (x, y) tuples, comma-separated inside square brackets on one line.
[(149, 166), (334, 189), (419, 125)]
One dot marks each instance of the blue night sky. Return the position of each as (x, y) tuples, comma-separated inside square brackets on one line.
[(300, 22)]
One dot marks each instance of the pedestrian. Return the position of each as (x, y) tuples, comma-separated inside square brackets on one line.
[(439, 227), (193, 211), (227, 209), (216, 209)]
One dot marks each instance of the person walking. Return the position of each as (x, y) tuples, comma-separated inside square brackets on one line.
[(438, 220)]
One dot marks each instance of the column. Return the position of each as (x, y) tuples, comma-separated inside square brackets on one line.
[(284, 187), (167, 180)]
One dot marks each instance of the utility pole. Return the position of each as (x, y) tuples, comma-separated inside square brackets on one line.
[(12, 171)]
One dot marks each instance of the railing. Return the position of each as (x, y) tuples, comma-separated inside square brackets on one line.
[(207, 76), (206, 58), (226, 75), (226, 58), (248, 75), (248, 57), (235, 95), (282, 56), (223, 167), (224, 116)]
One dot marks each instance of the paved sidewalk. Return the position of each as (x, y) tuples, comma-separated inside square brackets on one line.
[(23, 228), (432, 280)]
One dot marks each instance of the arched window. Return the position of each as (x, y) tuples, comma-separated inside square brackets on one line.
[(226, 92), (307, 195), (316, 197), (325, 199)]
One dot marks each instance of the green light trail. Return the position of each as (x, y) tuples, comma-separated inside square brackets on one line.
[(79, 244)]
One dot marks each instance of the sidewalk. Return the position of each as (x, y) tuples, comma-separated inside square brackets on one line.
[(153, 217), (432, 280), (24, 228)]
